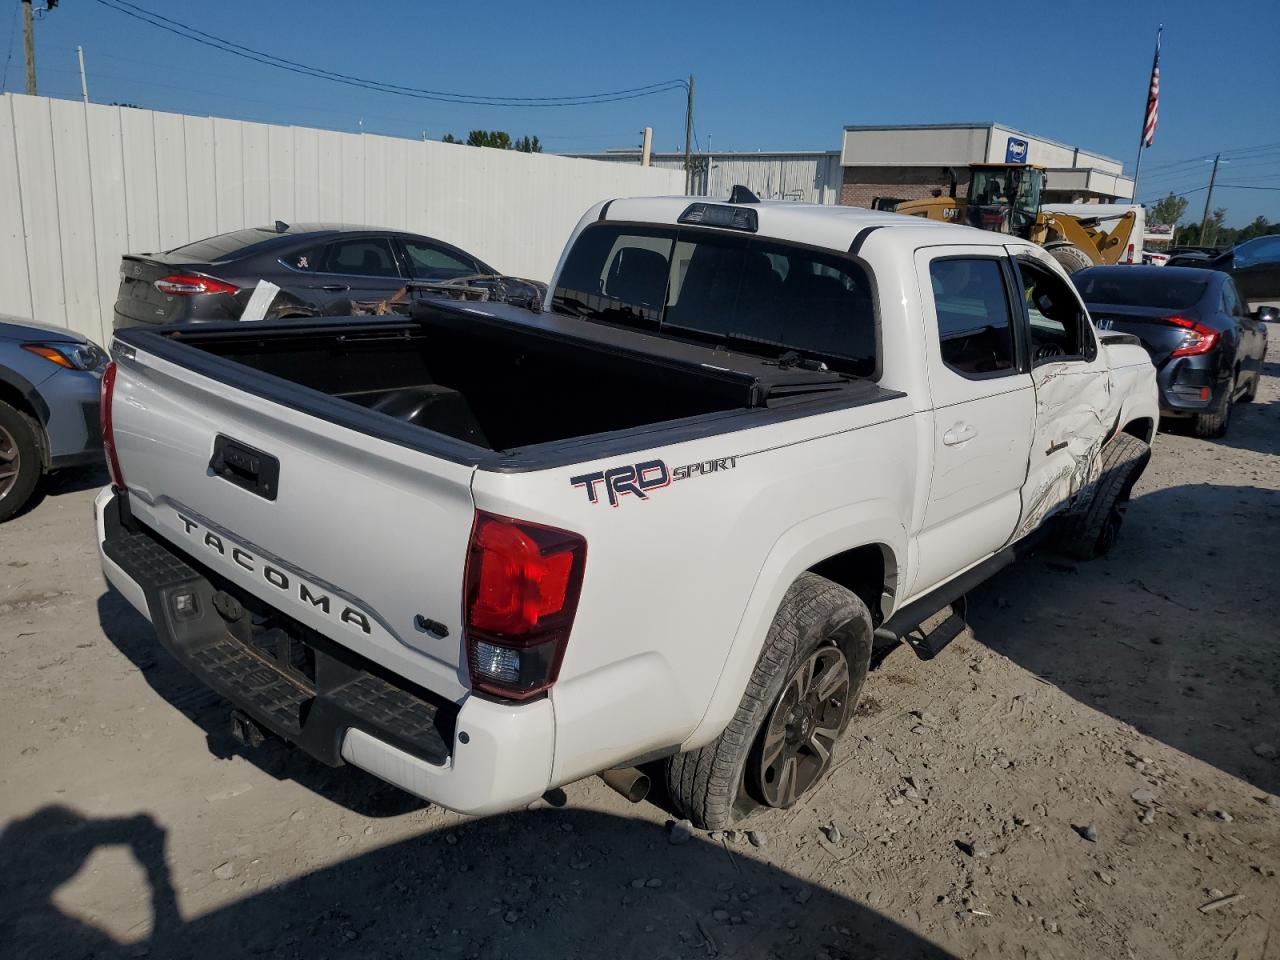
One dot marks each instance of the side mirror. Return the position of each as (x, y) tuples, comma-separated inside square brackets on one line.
[(1267, 314)]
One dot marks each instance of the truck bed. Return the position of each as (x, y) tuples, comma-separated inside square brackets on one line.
[(498, 386)]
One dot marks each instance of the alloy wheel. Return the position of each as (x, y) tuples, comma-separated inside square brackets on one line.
[(10, 461), (801, 729)]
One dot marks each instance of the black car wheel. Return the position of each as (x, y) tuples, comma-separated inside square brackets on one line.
[(798, 701), (20, 467), (1215, 422)]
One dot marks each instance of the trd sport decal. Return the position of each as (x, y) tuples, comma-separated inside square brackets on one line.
[(641, 479)]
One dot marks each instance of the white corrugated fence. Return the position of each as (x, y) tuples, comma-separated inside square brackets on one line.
[(81, 185)]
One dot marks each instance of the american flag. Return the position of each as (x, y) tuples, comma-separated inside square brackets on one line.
[(1153, 98)]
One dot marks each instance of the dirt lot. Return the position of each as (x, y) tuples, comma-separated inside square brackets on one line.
[(1088, 773)]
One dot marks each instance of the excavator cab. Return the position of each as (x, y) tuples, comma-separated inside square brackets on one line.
[(1004, 198)]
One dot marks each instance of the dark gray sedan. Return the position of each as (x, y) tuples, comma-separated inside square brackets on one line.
[(50, 380), (1207, 347), (320, 270)]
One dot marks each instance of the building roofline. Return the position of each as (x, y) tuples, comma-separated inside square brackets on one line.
[(679, 155)]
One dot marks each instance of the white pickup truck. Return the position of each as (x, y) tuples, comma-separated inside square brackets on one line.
[(482, 551)]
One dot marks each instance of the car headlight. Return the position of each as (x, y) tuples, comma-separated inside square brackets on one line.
[(72, 356)]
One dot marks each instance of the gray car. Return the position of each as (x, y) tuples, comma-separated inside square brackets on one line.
[(50, 379)]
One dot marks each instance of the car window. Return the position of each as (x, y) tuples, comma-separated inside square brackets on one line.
[(1058, 324), (224, 246), (1259, 250), (1231, 300), (751, 294), (975, 327), (430, 262), (306, 261), (1127, 287), (370, 257)]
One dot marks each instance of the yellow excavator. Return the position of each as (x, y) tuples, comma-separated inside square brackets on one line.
[(1005, 197)]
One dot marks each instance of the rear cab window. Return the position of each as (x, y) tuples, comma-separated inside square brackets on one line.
[(751, 294)]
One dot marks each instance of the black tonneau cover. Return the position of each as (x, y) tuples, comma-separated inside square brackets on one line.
[(777, 392)]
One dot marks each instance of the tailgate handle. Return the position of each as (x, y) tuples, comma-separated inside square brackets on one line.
[(246, 467)]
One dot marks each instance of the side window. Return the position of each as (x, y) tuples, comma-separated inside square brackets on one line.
[(975, 325), (305, 261), (429, 262), (1058, 324), (370, 257), (1231, 300)]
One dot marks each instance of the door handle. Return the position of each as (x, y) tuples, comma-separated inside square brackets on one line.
[(958, 434), (1055, 447), (335, 287)]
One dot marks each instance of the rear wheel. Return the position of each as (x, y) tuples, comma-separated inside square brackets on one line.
[(20, 466), (1216, 421), (1070, 257), (1251, 394), (1093, 532), (799, 699)]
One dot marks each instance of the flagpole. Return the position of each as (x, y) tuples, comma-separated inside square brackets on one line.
[(1142, 132)]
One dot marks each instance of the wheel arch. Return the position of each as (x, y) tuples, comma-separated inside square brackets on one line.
[(17, 393), (853, 543)]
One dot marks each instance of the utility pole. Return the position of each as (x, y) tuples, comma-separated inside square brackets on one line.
[(84, 86), (688, 140), (1204, 221), (29, 45), (646, 146)]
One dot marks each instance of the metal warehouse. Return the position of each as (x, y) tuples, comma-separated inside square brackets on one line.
[(803, 176)]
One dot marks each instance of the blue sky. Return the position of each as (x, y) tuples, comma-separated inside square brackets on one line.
[(769, 76)]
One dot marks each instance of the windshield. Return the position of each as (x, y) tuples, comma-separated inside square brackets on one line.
[(1122, 287), (1005, 199), (758, 296)]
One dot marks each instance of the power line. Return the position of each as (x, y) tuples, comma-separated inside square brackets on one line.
[(272, 60)]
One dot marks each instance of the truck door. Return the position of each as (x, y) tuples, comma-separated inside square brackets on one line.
[(1074, 410), (983, 407)]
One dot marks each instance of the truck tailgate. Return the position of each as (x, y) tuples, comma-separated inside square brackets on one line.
[(356, 537)]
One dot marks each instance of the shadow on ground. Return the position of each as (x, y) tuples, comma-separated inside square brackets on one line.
[(347, 785), (547, 884), (1176, 631)]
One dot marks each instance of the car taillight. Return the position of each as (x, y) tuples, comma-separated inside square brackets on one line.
[(189, 284), (522, 586), (1197, 339), (108, 431)]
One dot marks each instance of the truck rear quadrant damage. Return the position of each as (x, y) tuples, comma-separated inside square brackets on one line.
[(446, 546)]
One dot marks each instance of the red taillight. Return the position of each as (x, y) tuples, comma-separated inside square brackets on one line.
[(522, 586), (108, 431), (1128, 257), (1198, 338), (189, 284)]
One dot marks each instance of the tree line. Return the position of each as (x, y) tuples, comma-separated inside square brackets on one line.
[(498, 140), (1172, 208)]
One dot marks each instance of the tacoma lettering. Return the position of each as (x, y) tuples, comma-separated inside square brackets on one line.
[(277, 577)]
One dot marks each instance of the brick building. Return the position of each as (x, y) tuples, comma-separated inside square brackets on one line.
[(910, 161)]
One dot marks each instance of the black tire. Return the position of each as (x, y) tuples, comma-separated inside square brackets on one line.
[(720, 784), (1070, 257), (1215, 423), (1093, 531), (20, 463), (1251, 394)]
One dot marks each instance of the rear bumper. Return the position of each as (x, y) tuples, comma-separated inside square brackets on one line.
[(481, 757), (1183, 383)]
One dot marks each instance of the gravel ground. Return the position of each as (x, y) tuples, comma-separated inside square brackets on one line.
[(1090, 771)]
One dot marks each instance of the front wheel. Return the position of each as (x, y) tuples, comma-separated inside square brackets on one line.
[(20, 466), (1070, 257), (799, 700)]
